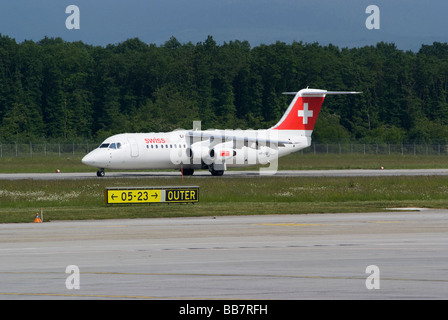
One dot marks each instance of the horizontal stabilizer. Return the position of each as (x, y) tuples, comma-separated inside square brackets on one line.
[(317, 93)]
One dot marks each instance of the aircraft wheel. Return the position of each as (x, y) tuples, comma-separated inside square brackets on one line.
[(100, 173), (217, 173), (188, 172)]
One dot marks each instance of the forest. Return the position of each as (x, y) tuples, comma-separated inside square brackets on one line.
[(53, 90)]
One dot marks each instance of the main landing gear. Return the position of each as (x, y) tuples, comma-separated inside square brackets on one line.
[(187, 172), (216, 173)]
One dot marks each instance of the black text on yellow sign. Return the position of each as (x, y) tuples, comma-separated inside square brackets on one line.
[(134, 196), (182, 195)]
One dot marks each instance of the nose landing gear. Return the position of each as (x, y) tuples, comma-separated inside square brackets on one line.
[(100, 173)]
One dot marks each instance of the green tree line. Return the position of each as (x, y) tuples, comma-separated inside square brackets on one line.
[(53, 89)]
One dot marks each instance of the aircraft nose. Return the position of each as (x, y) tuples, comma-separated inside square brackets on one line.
[(89, 160)]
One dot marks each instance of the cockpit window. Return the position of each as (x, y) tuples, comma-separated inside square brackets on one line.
[(111, 145)]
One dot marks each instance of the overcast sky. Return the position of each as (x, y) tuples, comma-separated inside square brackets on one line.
[(407, 23)]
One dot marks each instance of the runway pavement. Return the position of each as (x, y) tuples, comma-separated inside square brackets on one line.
[(228, 174), (315, 256)]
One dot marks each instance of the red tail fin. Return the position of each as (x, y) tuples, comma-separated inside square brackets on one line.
[(303, 111)]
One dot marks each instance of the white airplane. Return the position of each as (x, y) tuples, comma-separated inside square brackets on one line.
[(215, 150)]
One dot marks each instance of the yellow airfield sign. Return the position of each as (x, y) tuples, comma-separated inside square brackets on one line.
[(132, 195)]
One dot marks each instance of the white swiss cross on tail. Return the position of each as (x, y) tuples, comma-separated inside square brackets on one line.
[(304, 109), (305, 113)]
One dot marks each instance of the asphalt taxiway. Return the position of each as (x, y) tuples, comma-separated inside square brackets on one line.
[(230, 173), (315, 256)]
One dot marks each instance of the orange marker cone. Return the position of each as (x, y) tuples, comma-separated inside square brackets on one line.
[(37, 219)]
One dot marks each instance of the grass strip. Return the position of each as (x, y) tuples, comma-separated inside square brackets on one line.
[(20, 200)]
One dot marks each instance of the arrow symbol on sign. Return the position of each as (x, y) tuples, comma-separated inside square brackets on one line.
[(154, 196), (113, 197)]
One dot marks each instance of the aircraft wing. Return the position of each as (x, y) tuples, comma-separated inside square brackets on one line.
[(219, 137)]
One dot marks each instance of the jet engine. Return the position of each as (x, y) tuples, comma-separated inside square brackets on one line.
[(222, 153)]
